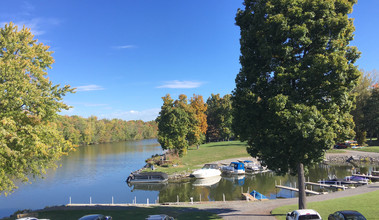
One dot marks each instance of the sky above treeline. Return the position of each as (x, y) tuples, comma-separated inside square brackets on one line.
[(122, 56)]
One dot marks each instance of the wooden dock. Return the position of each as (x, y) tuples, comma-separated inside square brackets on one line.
[(297, 190), (376, 178), (326, 185), (248, 196)]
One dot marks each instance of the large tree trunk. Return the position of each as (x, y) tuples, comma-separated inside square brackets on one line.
[(301, 181)]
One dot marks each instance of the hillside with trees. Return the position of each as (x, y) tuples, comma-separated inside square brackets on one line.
[(84, 131)]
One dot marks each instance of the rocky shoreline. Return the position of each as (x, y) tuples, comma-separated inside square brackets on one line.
[(357, 157)]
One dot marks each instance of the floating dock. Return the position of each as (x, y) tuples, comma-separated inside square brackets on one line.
[(326, 185), (297, 190)]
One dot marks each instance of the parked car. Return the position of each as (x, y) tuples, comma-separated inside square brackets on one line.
[(303, 214), (96, 217), (159, 217), (346, 215), (340, 146), (31, 218)]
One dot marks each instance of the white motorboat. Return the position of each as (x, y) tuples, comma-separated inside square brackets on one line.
[(208, 170)]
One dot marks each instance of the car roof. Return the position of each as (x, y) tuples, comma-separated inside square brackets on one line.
[(91, 216), (307, 212), (349, 212)]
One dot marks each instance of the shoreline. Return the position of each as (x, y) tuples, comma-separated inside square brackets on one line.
[(348, 157)]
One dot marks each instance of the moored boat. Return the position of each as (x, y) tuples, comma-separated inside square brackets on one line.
[(234, 168), (147, 177), (208, 170)]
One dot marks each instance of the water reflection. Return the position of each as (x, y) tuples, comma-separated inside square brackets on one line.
[(97, 171), (233, 186), (207, 181)]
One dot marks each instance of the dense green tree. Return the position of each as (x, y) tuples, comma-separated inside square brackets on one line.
[(29, 102), (362, 93), (293, 93), (371, 112), (173, 124), (219, 118)]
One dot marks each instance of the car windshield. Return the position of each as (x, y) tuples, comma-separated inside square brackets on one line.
[(305, 217)]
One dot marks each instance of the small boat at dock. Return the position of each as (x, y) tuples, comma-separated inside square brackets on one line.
[(234, 168), (147, 177)]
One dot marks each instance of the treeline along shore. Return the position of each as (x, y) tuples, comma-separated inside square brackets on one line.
[(85, 131)]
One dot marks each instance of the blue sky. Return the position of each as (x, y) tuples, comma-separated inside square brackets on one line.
[(123, 56)]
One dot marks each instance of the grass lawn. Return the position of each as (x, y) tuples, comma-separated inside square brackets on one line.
[(181, 213), (335, 151), (215, 151), (373, 146), (369, 149), (367, 204)]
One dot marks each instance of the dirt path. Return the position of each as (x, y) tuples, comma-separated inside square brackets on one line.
[(261, 210)]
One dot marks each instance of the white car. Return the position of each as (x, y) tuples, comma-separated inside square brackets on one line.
[(303, 214)]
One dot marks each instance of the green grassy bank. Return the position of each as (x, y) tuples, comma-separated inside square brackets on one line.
[(206, 153), (180, 213), (367, 204)]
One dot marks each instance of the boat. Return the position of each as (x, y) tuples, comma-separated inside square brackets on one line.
[(208, 170), (251, 166), (207, 181), (258, 195), (234, 168), (147, 177)]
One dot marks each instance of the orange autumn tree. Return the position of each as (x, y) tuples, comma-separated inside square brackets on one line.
[(199, 107)]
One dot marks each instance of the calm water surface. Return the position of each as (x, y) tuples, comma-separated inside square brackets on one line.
[(99, 172)]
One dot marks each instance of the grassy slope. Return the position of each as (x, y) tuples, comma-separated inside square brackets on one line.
[(207, 153), (367, 204)]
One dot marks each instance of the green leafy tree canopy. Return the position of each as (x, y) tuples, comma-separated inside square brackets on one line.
[(29, 102), (293, 93)]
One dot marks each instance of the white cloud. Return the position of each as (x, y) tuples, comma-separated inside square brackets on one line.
[(89, 88), (144, 115), (35, 24), (124, 47), (176, 84)]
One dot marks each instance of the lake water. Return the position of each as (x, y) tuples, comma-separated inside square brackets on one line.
[(98, 172)]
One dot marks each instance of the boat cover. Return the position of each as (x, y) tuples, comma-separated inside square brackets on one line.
[(258, 195)]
